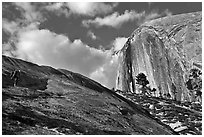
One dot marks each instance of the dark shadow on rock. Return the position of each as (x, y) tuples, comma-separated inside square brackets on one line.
[(28, 117), (26, 80)]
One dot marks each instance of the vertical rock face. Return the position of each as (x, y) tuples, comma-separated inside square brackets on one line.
[(165, 50)]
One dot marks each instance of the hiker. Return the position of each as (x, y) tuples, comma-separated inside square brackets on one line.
[(15, 75)]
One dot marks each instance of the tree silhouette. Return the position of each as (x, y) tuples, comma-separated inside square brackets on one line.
[(141, 79), (194, 83), (195, 80)]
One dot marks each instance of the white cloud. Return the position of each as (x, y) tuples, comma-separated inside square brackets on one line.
[(47, 48), (91, 8), (114, 20), (30, 12), (58, 8), (118, 43), (91, 35), (107, 73), (10, 27), (31, 18), (81, 8)]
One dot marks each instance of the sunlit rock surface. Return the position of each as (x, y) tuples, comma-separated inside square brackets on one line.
[(165, 50), (50, 101)]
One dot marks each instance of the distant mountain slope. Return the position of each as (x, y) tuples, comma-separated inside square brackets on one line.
[(165, 50), (50, 101)]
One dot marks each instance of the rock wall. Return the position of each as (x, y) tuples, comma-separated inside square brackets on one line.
[(165, 50)]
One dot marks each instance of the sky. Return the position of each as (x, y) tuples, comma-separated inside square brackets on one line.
[(79, 36)]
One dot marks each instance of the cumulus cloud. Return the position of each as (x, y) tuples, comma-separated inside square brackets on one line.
[(58, 8), (114, 20), (91, 35), (9, 29), (48, 48), (81, 8), (91, 8), (28, 19), (12, 30), (107, 73), (29, 11), (29, 16), (10, 26), (118, 43)]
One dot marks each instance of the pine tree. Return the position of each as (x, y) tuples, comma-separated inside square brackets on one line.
[(141, 79)]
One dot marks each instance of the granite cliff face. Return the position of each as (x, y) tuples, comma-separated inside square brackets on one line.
[(165, 50)]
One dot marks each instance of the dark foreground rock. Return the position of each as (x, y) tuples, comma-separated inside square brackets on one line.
[(47, 101)]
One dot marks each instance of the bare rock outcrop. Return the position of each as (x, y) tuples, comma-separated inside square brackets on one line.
[(48, 101), (165, 50)]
